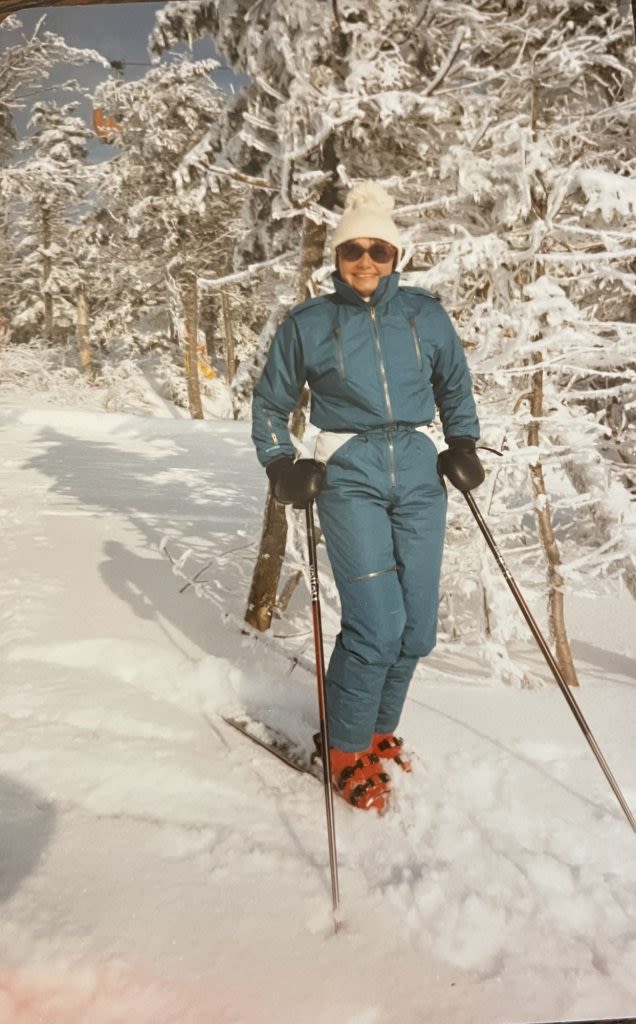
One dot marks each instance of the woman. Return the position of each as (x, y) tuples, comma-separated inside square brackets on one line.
[(378, 358)]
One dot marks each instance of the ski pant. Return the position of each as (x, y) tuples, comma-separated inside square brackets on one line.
[(382, 513)]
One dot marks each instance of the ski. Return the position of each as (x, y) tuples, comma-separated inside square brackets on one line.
[(275, 742), (595, 1020)]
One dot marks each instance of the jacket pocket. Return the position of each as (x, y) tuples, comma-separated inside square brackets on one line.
[(416, 343)]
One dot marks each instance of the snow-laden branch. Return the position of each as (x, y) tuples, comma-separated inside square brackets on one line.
[(612, 545), (447, 63), (626, 387), (313, 142), (579, 257), (551, 364), (595, 232), (520, 256), (610, 194), (241, 275), (245, 179), (595, 115), (268, 88), (431, 204)]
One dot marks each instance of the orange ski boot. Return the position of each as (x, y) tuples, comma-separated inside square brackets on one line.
[(388, 747), (358, 777)]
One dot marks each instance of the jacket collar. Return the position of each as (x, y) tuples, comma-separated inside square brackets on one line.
[(387, 287)]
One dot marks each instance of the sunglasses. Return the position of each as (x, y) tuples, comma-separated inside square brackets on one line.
[(380, 252)]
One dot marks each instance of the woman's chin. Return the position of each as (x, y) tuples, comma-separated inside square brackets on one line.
[(365, 287)]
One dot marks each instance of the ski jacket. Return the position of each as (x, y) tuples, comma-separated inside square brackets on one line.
[(368, 364)]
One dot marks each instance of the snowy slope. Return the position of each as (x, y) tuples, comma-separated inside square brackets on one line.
[(155, 867)]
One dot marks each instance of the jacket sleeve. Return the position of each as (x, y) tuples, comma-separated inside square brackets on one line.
[(276, 394), (452, 386)]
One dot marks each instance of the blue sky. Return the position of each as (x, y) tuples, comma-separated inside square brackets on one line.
[(118, 31)]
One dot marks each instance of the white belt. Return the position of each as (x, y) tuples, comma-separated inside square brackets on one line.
[(329, 441)]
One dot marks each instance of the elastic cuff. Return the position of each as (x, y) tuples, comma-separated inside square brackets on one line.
[(463, 444), (276, 462), (347, 746)]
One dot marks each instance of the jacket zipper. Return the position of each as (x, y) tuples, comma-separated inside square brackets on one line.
[(392, 477), (387, 397), (416, 343), (385, 383), (273, 434), (339, 351)]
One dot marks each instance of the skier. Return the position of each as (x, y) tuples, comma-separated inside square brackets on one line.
[(377, 357)]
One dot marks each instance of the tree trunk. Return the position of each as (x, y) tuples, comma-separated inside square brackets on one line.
[(228, 335), (556, 616), (189, 300), (262, 596), (6, 250), (81, 333), (47, 298), (311, 255), (269, 562)]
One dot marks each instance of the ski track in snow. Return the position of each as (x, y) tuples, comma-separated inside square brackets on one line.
[(157, 867)]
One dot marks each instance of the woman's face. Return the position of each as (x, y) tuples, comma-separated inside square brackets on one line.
[(362, 262)]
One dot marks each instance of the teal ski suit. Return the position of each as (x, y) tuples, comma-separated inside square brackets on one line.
[(377, 369)]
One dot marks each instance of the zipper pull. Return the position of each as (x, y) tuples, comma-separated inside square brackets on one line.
[(372, 311)]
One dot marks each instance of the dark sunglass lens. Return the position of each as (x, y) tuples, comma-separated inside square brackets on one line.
[(381, 253), (351, 251)]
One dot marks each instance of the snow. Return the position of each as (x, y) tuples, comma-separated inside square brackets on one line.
[(612, 195), (156, 867)]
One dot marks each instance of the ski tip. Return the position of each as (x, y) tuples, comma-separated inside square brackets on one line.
[(594, 1020)]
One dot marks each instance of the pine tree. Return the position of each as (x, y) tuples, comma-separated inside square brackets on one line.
[(23, 67), (47, 186), (157, 237), (540, 200)]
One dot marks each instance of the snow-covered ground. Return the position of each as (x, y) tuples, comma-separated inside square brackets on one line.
[(156, 867)]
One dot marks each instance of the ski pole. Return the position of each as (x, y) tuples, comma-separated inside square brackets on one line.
[(322, 710), (547, 654)]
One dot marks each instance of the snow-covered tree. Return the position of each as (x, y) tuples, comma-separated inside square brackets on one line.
[(24, 65), (502, 130), (336, 91), (538, 263), (47, 187), (157, 236)]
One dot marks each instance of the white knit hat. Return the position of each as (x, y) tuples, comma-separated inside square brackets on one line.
[(367, 214)]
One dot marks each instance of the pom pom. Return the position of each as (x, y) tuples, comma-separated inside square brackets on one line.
[(369, 194)]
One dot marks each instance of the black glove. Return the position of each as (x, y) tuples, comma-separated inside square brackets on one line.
[(460, 463), (295, 483)]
